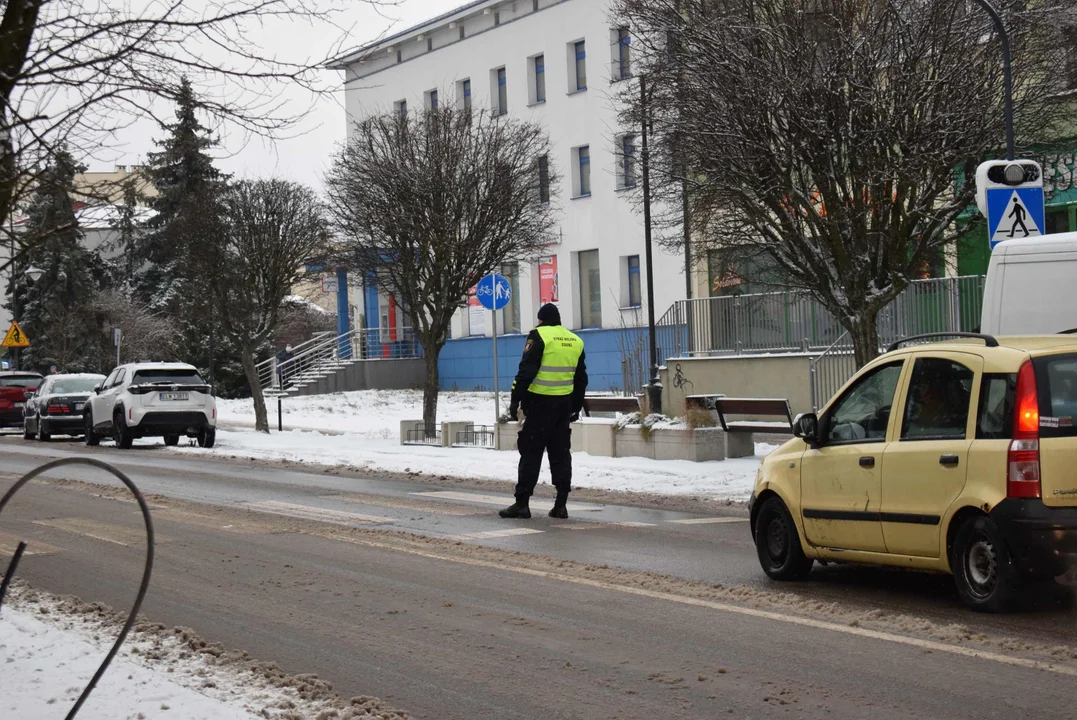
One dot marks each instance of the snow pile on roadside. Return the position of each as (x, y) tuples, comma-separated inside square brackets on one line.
[(724, 480), (53, 645)]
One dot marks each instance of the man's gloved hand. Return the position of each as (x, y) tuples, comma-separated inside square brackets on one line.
[(575, 415), (514, 412)]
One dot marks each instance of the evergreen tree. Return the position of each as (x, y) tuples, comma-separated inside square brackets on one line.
[(128, 232), (55, 311)]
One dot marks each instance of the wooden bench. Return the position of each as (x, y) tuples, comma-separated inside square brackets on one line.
[(739, 442), (701, 402), (609, 404)]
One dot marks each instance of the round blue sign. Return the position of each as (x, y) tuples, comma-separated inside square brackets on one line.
[(493, 292)]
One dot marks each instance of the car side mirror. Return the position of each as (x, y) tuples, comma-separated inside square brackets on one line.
[(97, 389), (806, 427)]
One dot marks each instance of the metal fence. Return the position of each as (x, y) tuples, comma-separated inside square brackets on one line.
[(475, 436), (785, 322)]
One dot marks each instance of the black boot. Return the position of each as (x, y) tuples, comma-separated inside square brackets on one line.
[(517, 510), (560, 509)]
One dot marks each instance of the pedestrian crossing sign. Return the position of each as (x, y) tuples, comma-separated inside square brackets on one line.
[(15, 337), (1014, 213)]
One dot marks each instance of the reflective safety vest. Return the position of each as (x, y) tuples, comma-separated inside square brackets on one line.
[(560, 356)]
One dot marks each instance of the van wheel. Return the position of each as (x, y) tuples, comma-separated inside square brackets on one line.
[(123, 435), (171, 440), (92, 440), (207, 438), (983, 568), (778, 544)]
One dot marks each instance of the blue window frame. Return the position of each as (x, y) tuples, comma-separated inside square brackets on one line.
[(502, 92), (466, 87), (634, 295), (628, 161), (540, 79), (581, 66), (584, 153), (624, 56)]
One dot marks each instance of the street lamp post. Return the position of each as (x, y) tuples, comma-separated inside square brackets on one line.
[(654, 386), (1007, 75)]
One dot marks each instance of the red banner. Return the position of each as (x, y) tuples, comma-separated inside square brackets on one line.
[(548, 280)]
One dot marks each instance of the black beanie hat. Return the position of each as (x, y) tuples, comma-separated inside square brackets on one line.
[(549, 314)]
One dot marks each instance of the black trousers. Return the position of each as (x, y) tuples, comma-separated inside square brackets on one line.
[(547, 428)]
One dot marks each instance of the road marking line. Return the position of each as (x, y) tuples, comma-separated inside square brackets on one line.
[(600, 525), (308, 512), (709, 521), (494, 534), (9, 542), (115, 534), (539, 503), (737, 610), (403, 503)]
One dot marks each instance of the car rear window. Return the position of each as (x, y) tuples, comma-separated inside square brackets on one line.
[(167, 377), (20, 381), (75, 385), (1056, 382), (994, 420)]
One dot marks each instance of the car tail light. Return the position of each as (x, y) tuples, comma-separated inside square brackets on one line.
[(1023, 459), (54, 409)]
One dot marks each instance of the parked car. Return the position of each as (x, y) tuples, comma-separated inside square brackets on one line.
[(15, 389), (956, 457), (1028, 287), (167, 400), (56, 407)]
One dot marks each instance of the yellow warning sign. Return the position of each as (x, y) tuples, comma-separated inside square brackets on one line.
[(15, 337)]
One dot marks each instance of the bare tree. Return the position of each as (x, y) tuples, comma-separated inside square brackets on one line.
[(426, 204), (831, 143), (144, 334), (78, 72), (267, 233)]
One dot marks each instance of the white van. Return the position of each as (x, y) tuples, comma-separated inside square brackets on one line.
[(1032, 287)]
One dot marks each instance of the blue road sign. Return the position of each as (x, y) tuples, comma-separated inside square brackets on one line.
[(493, 292), (1014, 213)]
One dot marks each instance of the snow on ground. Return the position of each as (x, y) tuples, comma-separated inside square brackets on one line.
[(370, 421), (52, 647)]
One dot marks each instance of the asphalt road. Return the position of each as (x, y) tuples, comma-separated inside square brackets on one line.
[(289, 566)]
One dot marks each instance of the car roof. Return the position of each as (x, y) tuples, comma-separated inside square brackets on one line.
[(20, 373), (1012, 350), (88, 376), (160, 366)]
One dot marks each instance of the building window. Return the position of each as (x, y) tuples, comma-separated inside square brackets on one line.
[(624, 54), (463, 93), (539, 65), (590, 290), (544, 179), (634, 297), (432, 100), (628, 161), (509, 321), (429, 44), (462, 35), (582, 184), (497, 19), (581, 65), (400, 107), (534, 5), (501, 92)]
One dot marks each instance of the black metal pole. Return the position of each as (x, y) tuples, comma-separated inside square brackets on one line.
[(654, 387), (1007, 75), (280, 415)]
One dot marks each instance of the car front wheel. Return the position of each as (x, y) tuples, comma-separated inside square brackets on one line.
[(91, 437), (778, 544), (983, 568)]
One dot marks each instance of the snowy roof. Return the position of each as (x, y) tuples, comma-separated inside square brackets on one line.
[(106, 217)]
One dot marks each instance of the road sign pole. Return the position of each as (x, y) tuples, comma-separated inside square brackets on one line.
[(497, 392)]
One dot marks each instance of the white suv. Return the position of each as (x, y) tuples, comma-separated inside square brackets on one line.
[(152, 400)]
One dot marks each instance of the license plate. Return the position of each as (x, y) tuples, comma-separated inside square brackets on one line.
[(79, 406), (20, 404), (175, 396)]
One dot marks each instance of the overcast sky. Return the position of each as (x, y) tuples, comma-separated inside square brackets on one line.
[(303, 158)]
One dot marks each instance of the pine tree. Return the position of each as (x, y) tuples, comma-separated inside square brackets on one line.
[(55, 310), (128, 231)]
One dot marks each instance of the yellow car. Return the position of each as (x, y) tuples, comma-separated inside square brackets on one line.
[(956, 456)]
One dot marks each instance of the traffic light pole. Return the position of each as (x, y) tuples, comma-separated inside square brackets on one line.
[(1007, 75)]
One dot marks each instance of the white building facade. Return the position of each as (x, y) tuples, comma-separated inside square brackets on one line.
[(560, 64)]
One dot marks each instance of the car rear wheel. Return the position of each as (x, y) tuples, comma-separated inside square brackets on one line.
[(41, 434), (778, 543), (91, 437), (171, 440), (983, 568), (207, 438), (124, 437)]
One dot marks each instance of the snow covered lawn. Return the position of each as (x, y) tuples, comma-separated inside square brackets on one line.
[(52, 647), (370, 420)]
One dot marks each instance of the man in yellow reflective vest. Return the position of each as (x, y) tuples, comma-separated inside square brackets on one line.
[(550, 387)]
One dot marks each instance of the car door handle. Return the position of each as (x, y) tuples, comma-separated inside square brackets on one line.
[(867, 461), (949, 460)]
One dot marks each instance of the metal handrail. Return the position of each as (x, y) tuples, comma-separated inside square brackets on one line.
[(844, 342)]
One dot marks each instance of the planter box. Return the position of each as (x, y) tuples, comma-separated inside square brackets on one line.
[(696, 445), (595, 436), (508, 433), (411, 433)]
